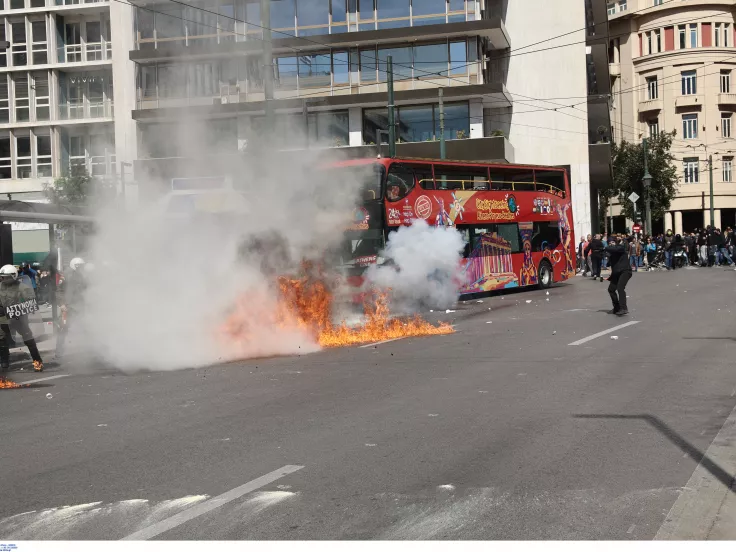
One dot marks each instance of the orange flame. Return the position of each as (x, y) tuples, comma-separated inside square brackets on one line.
[(7, 384), (305, 304)]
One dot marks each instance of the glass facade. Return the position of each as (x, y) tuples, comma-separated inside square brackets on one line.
[(330, 71), (224, 20), (418, 123)]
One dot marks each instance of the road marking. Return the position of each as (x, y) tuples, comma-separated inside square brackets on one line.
[(380, 342), (44, 379), (604, 332), (697, 511), (211, 504)]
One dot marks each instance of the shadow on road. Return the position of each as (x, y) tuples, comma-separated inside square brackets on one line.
[(693, 452)]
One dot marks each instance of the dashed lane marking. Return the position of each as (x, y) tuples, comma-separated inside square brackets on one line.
[(604, 332), (44, 379), (211, 504)]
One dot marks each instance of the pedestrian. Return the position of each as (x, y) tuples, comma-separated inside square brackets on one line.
[(604, 261), (651, 250), (702, 243), (588, 258), (620, 276), (32, 277), (667, 243), (17, 300), (722, 245), (634, 253), (595, 250)]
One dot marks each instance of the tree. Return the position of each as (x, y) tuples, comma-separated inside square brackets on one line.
[(78, 189), (628, 171)]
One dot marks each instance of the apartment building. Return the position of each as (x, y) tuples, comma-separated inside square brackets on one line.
[(672, 68), (57, 91), (203, 61)]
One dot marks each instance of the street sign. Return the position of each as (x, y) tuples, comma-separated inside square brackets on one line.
[(634, 197), (637, 228)]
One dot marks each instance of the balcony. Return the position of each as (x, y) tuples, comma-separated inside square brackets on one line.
[(650, 105), (76, 111), (691, 100), (89, 52), (726, 99)]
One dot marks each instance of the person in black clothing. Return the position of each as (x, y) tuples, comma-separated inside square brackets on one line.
[(702, 243), (596, 249), (620, 276)]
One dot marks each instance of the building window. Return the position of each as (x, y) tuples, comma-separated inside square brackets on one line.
[(393, 13), (43, 156), (650, 48), (23, 156), (623, 5), (653, 128), (22, 98), (690, 165), (73, 44), (40, 45), (658, 2), (693, 35), (77, 152), (93, 46), (690, 126), (726, 34), (718, 29), (726, 125), (3, 53), (6, 170), (41, 95), (689, 83), (429, 12), (727, 168), (366, 15), (19, 46), (652, 88), (4, 99), (611, 9), (682, 33), (658, 36), (725, 81)]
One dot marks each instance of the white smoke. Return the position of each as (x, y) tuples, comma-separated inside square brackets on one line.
[(162, 287), (423, 268)]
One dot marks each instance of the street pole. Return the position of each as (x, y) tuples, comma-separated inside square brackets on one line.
[(391, 113), (267, 63), (712, 212), (443, 151), (647, 184)]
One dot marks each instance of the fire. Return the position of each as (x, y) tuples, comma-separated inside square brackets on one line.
[(7, 384), (305, 304)]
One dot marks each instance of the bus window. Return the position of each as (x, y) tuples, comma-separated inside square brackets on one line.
[(511, 179), (510, 232), (424, 176), (465, 233), (399, 182), (550, 181), (450, 177), (546, 236)]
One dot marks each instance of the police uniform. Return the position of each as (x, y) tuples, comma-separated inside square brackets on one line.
[(14, 292)]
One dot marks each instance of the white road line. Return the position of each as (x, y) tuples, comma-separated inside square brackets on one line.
[(380, 342), (211, 504), (604, 332), (697, 512), (44, 379)]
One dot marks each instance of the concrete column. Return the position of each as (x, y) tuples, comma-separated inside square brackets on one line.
[(706, 218), (122, 17), (355, 126), (678, 222), (717, 217), (476, 117), (667, 221)]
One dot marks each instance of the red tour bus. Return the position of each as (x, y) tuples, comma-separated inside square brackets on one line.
[(516, 219)]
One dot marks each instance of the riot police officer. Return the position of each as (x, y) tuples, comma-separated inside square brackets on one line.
[(17, 300)]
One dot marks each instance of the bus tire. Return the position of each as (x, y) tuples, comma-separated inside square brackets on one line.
[(545, 276)]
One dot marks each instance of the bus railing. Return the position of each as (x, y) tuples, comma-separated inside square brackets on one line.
[(485, 185)]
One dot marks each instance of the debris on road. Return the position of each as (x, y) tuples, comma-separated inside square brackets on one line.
[(446, 487), (528, 300), (448, 311), (489, 322), (614, 337), (49, 396)]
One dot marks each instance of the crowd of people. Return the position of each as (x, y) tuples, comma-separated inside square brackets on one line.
[(704, 247)]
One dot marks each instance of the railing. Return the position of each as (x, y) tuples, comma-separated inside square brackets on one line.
[(492, 185), (94, 51), (94, 110)]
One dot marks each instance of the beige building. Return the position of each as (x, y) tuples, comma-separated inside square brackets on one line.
[(673, 67)]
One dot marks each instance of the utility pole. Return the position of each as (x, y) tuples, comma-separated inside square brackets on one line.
[(443, 151), (391, 107), (647, 181), (710, 171), (267, 63)]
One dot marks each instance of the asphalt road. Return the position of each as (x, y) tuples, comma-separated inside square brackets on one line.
[(502, 430)]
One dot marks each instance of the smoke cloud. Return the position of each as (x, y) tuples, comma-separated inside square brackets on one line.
[(164, 285), (423, 266)]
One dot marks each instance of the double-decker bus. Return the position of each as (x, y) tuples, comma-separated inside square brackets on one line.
[(516, 220)]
